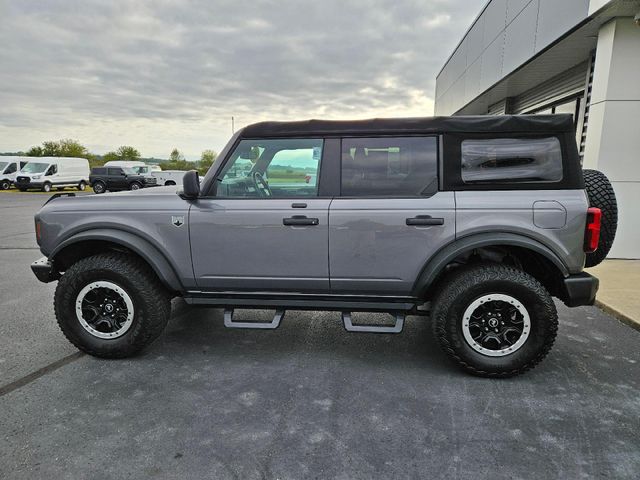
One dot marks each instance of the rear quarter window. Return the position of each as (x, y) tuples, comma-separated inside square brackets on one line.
[(99, 171), (509, 160)]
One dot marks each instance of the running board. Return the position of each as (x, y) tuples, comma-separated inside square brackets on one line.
[(273, 324), (350, 327)]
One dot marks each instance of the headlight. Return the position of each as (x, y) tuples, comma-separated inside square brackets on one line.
[(36, 177)]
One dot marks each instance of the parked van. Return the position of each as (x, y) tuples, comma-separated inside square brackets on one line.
[(9, 167), (45, 173), (140, 168), (169, 177)]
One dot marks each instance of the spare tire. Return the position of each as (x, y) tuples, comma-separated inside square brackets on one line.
[(602, 196)]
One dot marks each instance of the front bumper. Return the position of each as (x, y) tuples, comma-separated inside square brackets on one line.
[(43, 270), (580, 289)]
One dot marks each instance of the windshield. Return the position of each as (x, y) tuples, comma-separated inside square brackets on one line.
[(32, 167), (3, 165)]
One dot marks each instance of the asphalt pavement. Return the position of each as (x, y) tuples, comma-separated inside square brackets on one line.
[(308, 400)]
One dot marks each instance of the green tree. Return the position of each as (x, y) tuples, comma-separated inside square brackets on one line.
[(206, 160), (175, 155), (126, 152), (110, 156), (34, 151)]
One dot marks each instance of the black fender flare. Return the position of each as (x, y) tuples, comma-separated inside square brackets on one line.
[(156, 260), (448, 253)]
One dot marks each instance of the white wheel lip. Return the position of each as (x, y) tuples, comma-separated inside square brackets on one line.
[(125, 297), (526, 329)]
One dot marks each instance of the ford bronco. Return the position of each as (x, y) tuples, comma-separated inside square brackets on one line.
[(474, 222)]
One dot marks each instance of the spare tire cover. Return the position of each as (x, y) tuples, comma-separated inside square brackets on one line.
[(602, 196)]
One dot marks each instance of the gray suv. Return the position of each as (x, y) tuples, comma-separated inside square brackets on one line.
[(475, 222)]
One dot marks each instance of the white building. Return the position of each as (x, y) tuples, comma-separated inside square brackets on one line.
[(570, 56)]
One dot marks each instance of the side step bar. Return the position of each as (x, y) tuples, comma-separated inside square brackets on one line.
[(273, 324), (229, 322), (350, 327)]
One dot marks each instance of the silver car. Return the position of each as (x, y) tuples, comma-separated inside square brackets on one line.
[(473, 222)]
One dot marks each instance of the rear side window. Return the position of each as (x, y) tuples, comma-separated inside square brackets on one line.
[(389, 166), (114, 171), (511, 160), (99, 171)]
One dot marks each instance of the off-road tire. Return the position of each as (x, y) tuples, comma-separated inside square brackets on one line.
[(462, 287), (151, 303), (99, 187), (135, 186), (602, 196)]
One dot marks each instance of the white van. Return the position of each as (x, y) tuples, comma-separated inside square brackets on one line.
[(9, 167), (45, 173), (137, 166), (169, 177)]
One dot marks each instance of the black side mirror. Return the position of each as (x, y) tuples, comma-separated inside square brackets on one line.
[(190, 185)]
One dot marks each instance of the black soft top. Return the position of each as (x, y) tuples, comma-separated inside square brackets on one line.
[(417, 125)]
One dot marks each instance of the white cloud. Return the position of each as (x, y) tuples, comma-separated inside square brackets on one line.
[(159, 74)]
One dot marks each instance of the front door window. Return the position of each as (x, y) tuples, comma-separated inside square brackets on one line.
[(272, 168)]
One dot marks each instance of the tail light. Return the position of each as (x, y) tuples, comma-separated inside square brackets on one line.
[(592, 231), (38, 231)]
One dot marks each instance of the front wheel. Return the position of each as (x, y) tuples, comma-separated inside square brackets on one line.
[(135, 186), (46, 187), (111, 305), (494, 320)]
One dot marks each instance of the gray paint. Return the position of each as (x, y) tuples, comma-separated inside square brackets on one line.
[(373, 250)]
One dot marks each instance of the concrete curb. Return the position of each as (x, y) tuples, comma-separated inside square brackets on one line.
[(624, 318)]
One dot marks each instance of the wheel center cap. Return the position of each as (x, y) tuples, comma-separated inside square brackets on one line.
[(493, 323), (108, 308)]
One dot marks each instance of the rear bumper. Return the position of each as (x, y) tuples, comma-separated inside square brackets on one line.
[(580, 289), (43, 270)]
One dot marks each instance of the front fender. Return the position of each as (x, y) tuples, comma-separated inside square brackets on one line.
[(158, 262)]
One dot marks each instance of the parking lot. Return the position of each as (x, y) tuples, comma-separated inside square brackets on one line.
[(308, 400)]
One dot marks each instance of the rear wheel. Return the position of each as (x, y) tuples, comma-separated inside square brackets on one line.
[(82, 186), (602, 196), (494, 320), (111, 305), (5, 185), (99, 187)]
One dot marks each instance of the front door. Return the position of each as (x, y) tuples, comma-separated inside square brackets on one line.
[(390, 218), (265, 227)]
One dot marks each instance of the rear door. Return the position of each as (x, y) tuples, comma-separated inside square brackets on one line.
[(390, 217), (116, 178), (265, 227)]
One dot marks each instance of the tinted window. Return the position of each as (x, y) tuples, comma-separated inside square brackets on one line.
[(398, 166), (114, 171), (511, 160), (272, 168), (99, 171)]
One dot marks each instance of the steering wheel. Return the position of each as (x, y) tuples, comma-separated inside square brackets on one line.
[(261, 184)]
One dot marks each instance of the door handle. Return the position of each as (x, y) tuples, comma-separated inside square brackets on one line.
[(298, 220), (424, 220)]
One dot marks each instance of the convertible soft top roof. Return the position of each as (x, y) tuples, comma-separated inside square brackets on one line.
[(416, 125)]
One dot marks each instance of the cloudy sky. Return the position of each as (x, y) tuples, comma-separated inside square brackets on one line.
[(170, 73)]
